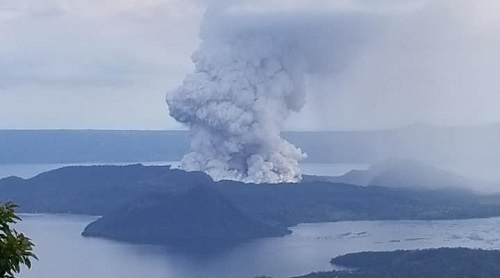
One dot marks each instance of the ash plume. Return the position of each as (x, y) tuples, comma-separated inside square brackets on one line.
[(236, 103), (250, 75)]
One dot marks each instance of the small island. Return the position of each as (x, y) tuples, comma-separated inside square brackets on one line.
[(199, 218)]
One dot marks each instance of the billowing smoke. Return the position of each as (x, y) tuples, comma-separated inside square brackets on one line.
[(236, 102), (250, 75)]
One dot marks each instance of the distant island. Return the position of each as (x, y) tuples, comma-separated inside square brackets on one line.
[(432, 263), (159, 205)]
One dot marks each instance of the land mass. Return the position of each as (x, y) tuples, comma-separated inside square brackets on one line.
[(158, 197), (201, 218), (431, 263), (409, 174)]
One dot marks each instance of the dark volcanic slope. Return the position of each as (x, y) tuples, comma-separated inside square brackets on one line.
[(199, 216), (291, 204), (94, 190), (157, 209), (98, 190)]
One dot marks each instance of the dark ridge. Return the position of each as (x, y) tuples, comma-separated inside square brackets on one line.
[(94, 190), (141, 190), (200, 217), (430, 263)]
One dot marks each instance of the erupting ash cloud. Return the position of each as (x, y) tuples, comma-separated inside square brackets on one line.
[(236, 103), (250, 75)]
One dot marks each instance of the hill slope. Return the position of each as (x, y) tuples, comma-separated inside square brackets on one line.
[(198, 217), (432, 263), (99, 190), (94, 190), (406, 173), (141, 191)]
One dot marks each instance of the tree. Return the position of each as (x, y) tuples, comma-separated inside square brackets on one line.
[(15, 248)]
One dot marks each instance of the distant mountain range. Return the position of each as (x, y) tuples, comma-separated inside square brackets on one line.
[(409, 174), (474, 145)]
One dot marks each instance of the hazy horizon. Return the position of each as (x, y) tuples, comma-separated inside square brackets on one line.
[(181, 128)]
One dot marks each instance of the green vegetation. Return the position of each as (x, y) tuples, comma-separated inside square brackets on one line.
[(431, 263), (15, 248)]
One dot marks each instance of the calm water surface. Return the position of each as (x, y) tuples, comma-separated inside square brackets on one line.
[(64, 253)]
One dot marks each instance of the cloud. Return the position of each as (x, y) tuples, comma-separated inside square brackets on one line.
[(380, 64), (79, 54), (388, 63), (74, 43), (435, 62)]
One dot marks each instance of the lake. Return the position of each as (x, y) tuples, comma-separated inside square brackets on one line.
[(64, 253)]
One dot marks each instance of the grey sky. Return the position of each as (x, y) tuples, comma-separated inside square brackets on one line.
[(109, 63)]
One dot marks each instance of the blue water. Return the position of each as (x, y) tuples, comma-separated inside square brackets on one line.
[(64, 253)]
